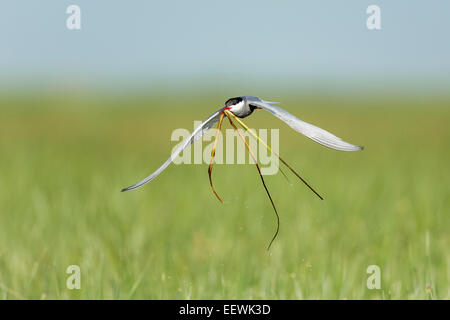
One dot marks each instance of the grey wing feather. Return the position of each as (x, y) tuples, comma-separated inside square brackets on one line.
[(315, 133), (195, 135)]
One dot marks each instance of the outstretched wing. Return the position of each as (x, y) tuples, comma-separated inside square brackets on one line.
[(195, 135), (315, 133)]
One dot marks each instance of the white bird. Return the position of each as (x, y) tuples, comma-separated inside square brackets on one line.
[(242, 107)]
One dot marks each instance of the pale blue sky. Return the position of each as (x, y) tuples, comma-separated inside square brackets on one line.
[(266, 41)]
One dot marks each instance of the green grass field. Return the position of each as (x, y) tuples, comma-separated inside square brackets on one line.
[(65, 159)]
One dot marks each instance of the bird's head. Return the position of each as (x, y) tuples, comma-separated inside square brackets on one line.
[(240, 106)]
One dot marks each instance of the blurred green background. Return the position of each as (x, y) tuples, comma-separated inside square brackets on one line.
[(65, 159), (84, 113)]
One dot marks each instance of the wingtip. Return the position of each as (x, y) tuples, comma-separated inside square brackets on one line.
[(355, 148), (124, 189)]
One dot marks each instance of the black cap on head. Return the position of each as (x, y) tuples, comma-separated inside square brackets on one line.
[(233, 101)]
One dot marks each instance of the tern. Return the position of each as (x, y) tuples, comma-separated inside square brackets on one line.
[(241, 107)]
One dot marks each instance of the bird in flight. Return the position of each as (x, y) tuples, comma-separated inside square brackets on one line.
[(241, 107)]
